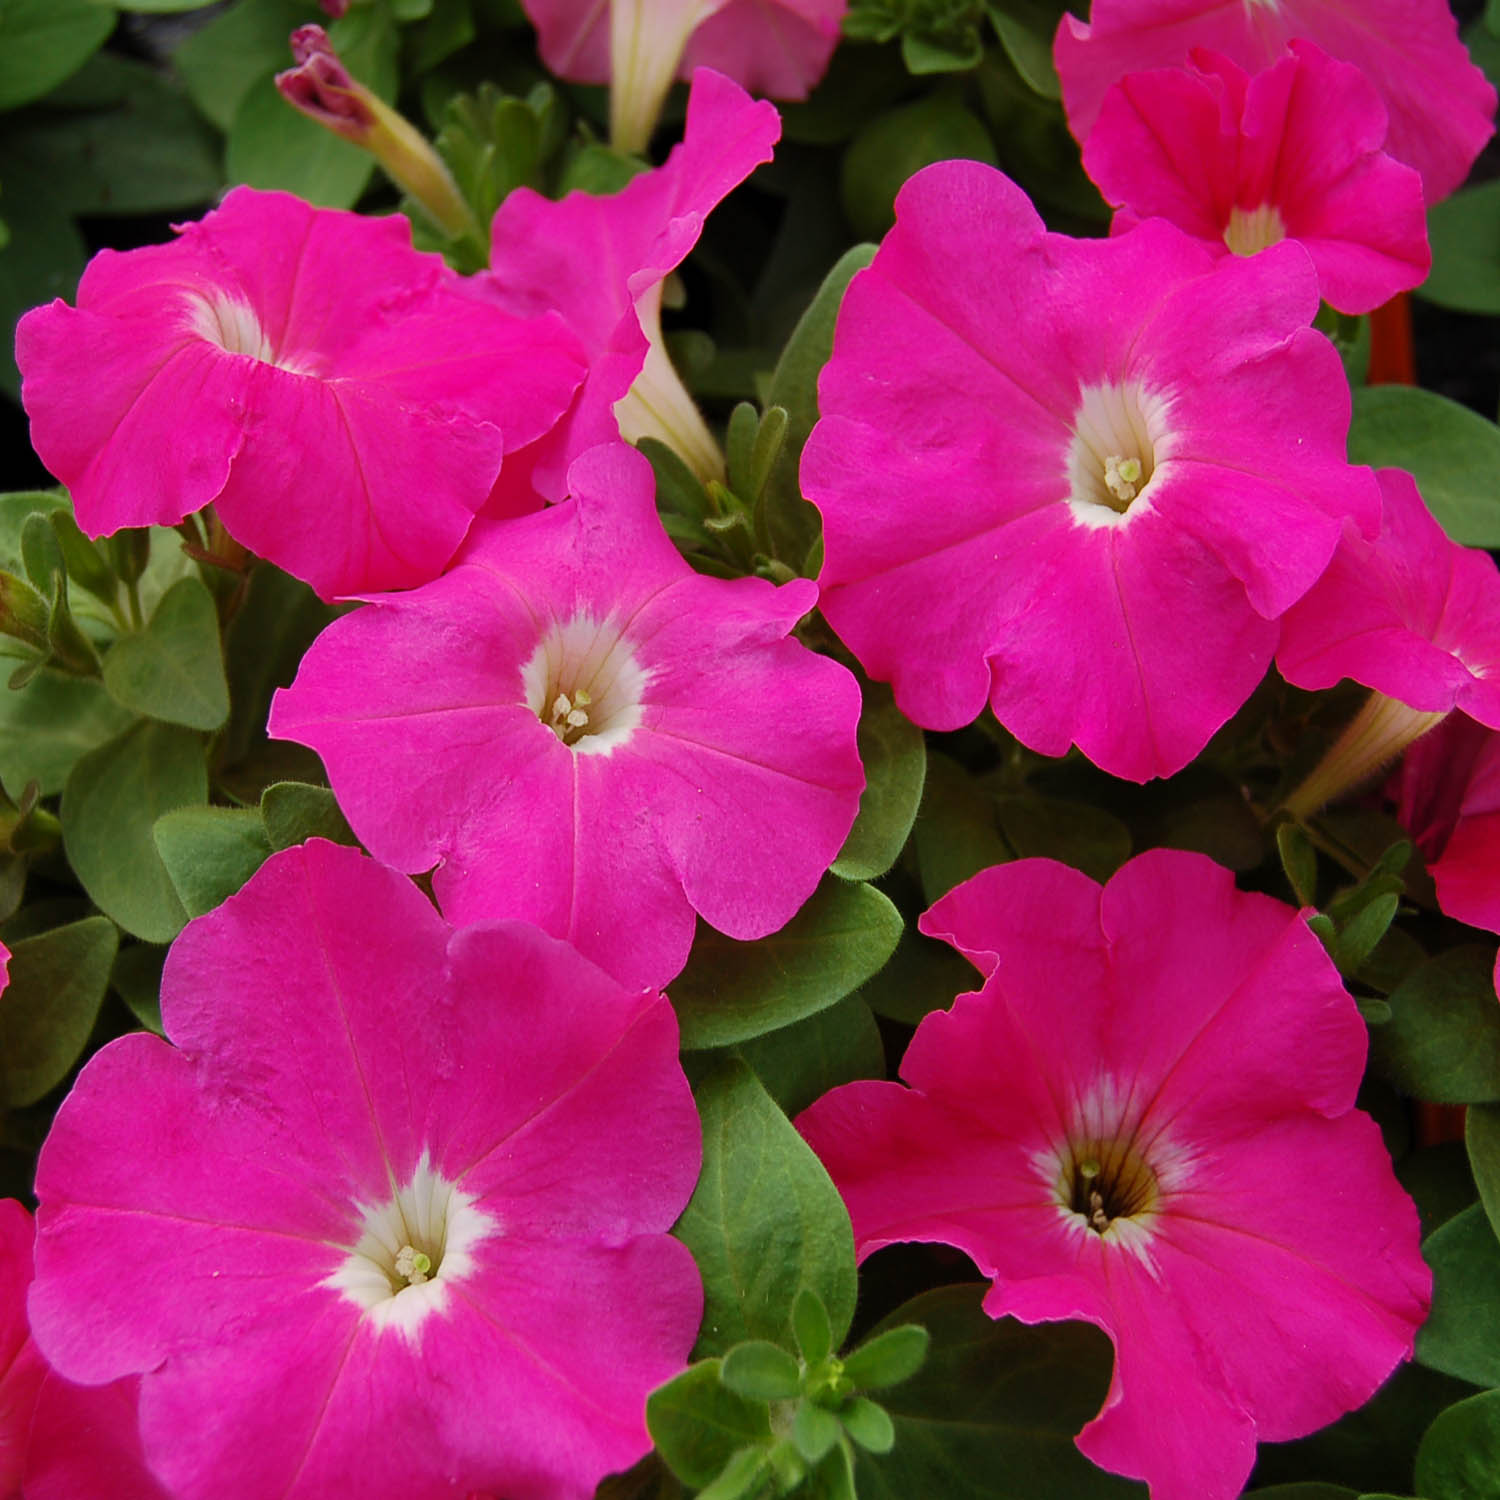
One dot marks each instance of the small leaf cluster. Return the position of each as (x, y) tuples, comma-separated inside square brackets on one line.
[(803, 1413)]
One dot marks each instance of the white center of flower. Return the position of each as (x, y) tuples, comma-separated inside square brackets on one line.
[(231, 323), (1119, 434), (585, 684), (1252, 229), (411, 1249), (1113, 1173)]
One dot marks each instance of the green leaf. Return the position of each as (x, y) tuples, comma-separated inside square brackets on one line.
[(1442, 1041), (956, 832), (1026, 31), (143, 150), (48, 1009), (786, 524), (895, 761), (173, 670), (765, 1220), (210, 852), (237, 49), (1311, 1491), (1460, 1454), (801, 1062), (761, 1371), (810, 1325), (732, 991), (1453, 452), (815, 1430), (992, 1414), (294, 812), (113, 797), (1462, 1333), (1077, 834), (1482, 1139), (1464, 232), (742, 1478), (923, 975), (869, 1425), (888, 1358), (47, 726), (136, 979), (1300, 862), (43, 41), (698, 1425), (1437, 1177)]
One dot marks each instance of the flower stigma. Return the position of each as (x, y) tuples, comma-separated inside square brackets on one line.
[(1119, 433), (583, 682)]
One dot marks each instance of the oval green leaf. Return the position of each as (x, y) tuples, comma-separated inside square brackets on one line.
[(895, 760), (1442, 1041), (210, 852), (1462, 1333), (1459, 1458), (173, 670)]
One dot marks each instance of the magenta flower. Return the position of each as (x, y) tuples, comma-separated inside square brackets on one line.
[(1410, 614), (1078, 478), (775, 47), (21, 1367), (1241, 163), (323, 385), (86, 1442), (1442, 108), (394, 1223), (600, 263), (1145, 1120), (580, 731), (1449, 801)]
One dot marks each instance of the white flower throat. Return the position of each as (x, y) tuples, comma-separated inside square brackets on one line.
[(583, 681)]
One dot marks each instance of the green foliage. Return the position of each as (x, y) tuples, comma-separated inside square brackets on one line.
[(1460, 1454), (732, 991), (1462, 1334), (48, 725), (43, 41), (1464, 232), (801, 1062), (294, 812), (113, 797), (209, 852), (992, 1413), (894, 755), (1482, 1140), (57, 981), (1442, 1040), (173, 669), (765, 1220), (1453, 452)]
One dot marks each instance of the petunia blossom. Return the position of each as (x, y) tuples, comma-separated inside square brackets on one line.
[(1077, 479), (1442, 108), (1410, 613), (578, 730), (600, 263), (775, 47), (1144, 1120), (393, 1224), (21, 1366), (1243, 162), (1448, 792), (324, 386), (86, 1442)]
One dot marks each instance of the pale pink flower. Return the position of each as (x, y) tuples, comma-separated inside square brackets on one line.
[(323, 385), (580, 731), (600, 263), (1411, 614), (1442, 108), (775, 47), (21, 1366), (1145, 1120), (394, 1222), (1077, 479), (1243, 162)]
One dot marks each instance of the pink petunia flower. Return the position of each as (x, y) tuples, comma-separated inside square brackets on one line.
[(775, 47), (1078, 478), (600, 263), (1145, 1120), (86, 1443), (393, 1224), (21, 1366), (580, 731), (1442, 108), (1448, 792), (323, 385), (1241, 163)]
